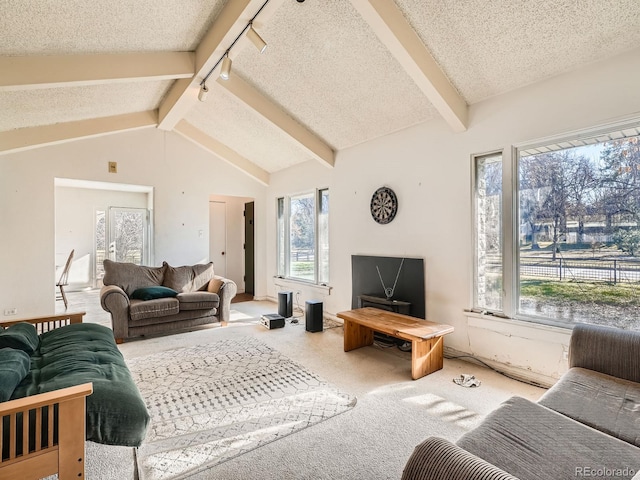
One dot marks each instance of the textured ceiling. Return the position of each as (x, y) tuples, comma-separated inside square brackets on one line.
[(45, 27), (44, 107), (257, 140), (489, 48), (327, 65), (327, 68)]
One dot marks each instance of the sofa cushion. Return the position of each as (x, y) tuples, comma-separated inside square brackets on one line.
[(130, 277), (86, 352), (14, 366), (21, 336), (606, 403), (198, 300), (160, 307), (532, 442), (151, 293), (188, 278)]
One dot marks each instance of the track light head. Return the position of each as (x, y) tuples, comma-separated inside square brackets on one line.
[(225, 70), (256, 39), (204, 91)]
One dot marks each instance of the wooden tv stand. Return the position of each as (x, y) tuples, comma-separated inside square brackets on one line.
[(425, 336)]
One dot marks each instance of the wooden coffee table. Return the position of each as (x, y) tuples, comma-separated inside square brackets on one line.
[(425, 336)]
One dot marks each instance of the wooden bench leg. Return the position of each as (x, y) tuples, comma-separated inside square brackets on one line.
[(356, 336), (426, 357)]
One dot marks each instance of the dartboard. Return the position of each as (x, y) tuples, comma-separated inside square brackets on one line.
[(384, 205)]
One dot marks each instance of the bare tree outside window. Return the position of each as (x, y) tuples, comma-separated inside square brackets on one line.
[(302, 224), (579, 212)]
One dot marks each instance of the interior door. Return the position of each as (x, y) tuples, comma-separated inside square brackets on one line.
[(218, 236), (249, 247), (128, 235)]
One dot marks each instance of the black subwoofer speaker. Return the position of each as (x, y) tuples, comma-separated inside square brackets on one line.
[(313, 316), (285, 304)]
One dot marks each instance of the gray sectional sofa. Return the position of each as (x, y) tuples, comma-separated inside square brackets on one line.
[(586, 425), (144, 300)]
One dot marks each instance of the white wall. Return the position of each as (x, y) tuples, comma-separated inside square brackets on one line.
[(182, 174), (75, 227), (429, 168)]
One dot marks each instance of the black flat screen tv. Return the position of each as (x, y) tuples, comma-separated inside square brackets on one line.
[(372, 275)]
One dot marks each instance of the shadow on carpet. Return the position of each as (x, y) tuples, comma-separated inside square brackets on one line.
[(211, 403)]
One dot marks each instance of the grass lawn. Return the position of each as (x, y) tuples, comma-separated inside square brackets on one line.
[(619, 295)]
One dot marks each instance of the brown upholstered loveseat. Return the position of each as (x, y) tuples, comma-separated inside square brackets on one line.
[(145, 300)]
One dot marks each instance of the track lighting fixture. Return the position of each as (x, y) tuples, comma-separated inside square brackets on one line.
[(225, 70), (256, 39), (225, 61), (204, 91)]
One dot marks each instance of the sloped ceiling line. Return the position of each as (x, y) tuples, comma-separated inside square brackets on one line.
[(308, 140), (20, 73), (30, 137), (219, 149), (232, 20), (189, 68), (394, 31)]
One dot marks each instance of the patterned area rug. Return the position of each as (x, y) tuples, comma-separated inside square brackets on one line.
[(211, 403)]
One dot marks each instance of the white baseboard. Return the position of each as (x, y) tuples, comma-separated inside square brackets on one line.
[(511, 371)]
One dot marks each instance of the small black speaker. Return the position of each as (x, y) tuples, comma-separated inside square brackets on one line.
[(285, 304), (313, 316)]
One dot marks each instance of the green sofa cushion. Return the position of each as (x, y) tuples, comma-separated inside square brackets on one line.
[(152, 293), (14, 366), (86, 352), (21, 336)]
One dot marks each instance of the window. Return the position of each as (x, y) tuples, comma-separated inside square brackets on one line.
[(303, 236), (572, 251), (488, 215)]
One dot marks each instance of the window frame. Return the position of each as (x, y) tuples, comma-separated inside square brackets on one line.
[(285, 237), (510, 213)]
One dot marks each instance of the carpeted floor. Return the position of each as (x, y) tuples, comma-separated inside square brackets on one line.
[(371, 441), (213, 402)]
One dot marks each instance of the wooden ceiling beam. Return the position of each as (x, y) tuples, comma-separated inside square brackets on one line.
[(394, 31), (46, 71), (228, 25), (274, 114), (31, 137), (219, 149)]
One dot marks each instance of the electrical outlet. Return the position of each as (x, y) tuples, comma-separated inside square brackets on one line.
[(10, 311), (565, 354)]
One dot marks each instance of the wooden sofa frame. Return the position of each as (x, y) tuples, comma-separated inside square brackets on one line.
[(66, 456)]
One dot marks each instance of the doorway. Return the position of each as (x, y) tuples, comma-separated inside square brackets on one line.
[(249, 248), (228, 234), (218, 237), (92, 216)]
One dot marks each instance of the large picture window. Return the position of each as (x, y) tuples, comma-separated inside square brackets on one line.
[(573, 226), (303, 236)]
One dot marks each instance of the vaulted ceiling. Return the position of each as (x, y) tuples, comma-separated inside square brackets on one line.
[(336, 73)]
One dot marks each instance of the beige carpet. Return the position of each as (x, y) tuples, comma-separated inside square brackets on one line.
[(371, 441), (213, 402)]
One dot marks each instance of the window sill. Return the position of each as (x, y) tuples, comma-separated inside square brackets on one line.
[(506, 325), (293, 284)]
